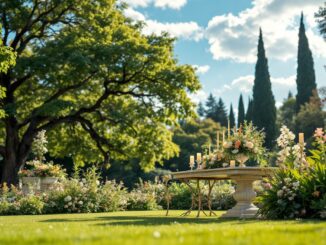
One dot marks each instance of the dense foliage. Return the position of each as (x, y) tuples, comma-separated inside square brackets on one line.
[(306, 80), (87, 75), (241, 111), (298, 188), (264, 110), (88, 194)]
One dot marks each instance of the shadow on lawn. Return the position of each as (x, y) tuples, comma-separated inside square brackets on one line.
[(150, 220), (156, 220)]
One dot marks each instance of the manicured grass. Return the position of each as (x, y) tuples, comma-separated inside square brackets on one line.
[(152, 227)]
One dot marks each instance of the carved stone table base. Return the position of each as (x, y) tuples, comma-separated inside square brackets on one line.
[(244, 195)]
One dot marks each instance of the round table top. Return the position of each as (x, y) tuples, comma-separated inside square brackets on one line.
[(224, 173)]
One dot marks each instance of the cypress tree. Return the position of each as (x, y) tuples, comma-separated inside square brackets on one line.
[(249, 110), (201, 109), (241, 111), (221, 113), (306, 81), (264, 110), (211, 107), (231, 117)]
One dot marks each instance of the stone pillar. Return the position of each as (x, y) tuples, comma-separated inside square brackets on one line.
[(244, 195)]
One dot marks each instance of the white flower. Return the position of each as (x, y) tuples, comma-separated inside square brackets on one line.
[(80, 202), (296, 184), (69, 203), (97, 182), (227, 144), (83, 180), (67, 199), (235, 151), (65, 206), (291, 198), (287, 180), (279, 193), (249, 145)]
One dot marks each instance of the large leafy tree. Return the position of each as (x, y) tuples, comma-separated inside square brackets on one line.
[(306, 80), (241, 111), (88, 76), (287, 113), (192, 136), (264, 110), (7, 60)]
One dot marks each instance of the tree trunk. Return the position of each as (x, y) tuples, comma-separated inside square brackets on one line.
[(11, 162)]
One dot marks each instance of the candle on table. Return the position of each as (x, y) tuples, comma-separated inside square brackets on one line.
[(232, 163), (192, 159), (198, 157), (301, 138), (192, 162)]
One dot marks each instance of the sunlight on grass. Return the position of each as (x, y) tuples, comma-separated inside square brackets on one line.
[(152, 227)]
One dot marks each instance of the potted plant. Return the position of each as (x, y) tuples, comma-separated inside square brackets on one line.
[(30, 182), (42, 174)]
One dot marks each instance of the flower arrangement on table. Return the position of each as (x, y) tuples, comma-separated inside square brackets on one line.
[(245, 143)]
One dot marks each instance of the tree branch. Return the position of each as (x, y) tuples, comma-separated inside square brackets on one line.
[(19, 82)]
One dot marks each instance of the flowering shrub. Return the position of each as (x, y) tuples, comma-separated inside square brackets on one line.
[(146, 196), (13, 201), (291, 154), (298, 188)]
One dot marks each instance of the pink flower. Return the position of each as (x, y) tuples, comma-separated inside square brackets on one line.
[(319, 132)]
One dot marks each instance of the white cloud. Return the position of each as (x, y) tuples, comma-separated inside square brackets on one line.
[(201, 69), (199, 96), (244, 84), (284, 81), (133, 14), (235, 36), (173, 4), (186, 30)]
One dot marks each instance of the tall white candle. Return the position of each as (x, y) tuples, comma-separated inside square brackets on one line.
[(301, 138), (198, 157)]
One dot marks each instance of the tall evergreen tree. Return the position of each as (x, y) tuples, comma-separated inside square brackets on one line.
[(249, 110), (201, 109), (321, 19), (241, 111), (221, 113), (231, 117), (264, 110), (211, 107), (306, 80)]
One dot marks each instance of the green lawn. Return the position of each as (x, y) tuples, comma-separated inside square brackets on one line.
[(152, 227)]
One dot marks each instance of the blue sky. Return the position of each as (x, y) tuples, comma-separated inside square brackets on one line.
[(219, 37)]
